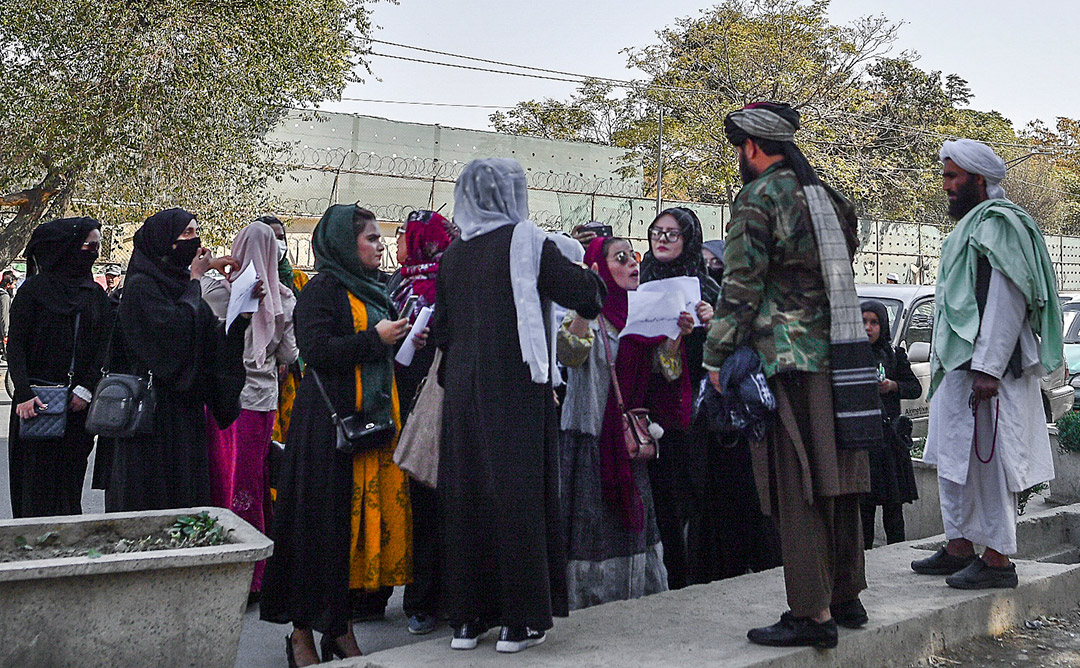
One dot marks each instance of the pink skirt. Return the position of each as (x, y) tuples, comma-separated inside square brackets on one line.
[(239, 470)]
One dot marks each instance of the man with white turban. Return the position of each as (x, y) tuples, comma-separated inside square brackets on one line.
[(997, 329)]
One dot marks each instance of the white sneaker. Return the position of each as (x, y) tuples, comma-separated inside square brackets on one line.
[(516, 639), (468, 635)]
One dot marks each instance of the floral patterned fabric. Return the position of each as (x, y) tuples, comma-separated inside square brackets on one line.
[(381, 546)]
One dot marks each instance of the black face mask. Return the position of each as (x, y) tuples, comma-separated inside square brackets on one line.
[(81, 263), (183, 252)]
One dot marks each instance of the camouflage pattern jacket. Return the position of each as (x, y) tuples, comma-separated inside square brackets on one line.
[(773, 295)]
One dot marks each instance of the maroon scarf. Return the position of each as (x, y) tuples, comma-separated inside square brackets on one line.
[(633, 368)]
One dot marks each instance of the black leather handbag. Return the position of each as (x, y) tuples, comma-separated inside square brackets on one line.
[(51, 419), (123, 404), (355, 434)]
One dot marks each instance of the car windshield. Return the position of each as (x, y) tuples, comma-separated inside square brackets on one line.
[(1072, 323)]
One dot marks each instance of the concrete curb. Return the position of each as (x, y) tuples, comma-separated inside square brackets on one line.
[(911, 617)]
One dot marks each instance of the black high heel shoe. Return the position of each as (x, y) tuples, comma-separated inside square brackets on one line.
[(289, 652), (331, 650)]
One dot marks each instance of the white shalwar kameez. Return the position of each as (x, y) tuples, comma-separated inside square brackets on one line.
[(978, 500)]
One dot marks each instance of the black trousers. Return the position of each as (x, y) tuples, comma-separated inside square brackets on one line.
[(672, 488), (892, 517), (422, 594)]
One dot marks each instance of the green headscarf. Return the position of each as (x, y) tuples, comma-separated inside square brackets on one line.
[(1013, 244), (334, 243)]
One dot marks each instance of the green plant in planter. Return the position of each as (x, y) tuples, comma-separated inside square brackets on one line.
[(1023, 497), (1069, 432), (197, 531)]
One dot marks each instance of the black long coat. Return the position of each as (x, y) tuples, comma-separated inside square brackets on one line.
[(892, 478), (46, 477), (307, 578), (503, 555), (195, 366)]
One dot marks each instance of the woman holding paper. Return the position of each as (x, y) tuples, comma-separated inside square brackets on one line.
[(166, 331), (675, 242), (613, 544), (342, 522), (427, 235), (239, 453)]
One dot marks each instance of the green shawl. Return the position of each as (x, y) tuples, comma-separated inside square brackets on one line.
[(334, 243), (1012, 242), (285, 274)]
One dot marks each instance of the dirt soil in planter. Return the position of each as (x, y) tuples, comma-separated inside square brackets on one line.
[(49, 546), (200, 530)]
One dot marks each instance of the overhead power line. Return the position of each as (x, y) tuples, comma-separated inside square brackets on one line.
[(549, 74), (428, 104)]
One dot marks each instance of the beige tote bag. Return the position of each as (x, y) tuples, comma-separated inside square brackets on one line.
[(417, 450)]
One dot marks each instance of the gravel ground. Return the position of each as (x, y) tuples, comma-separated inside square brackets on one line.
[(1044, 642)]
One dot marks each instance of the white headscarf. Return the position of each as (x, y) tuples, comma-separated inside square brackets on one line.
[(257, 244), (492, 193), (976, 157)]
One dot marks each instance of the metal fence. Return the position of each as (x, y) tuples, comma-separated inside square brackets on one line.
[(392, 186)]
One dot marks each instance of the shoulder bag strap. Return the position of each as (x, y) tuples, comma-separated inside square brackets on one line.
[(74, 343), (326, 397), (611, 365)]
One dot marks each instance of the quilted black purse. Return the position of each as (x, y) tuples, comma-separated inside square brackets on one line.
[(51, 419), (355, 434)]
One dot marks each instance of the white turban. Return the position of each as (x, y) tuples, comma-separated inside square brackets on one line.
[(976, 157)]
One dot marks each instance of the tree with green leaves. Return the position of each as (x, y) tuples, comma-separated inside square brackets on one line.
[(115, 108), (873, 121)]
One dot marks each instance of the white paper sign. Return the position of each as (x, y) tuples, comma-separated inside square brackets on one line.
[(240, 299), (652, 314), (687, 286), (408, 348)]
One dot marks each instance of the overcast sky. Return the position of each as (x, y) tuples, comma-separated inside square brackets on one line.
[(1020, 58)]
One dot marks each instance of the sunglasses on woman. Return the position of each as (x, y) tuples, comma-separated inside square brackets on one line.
[(624, 257)]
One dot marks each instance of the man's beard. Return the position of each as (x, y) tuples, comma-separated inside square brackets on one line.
[(746, 170), (967, 198)]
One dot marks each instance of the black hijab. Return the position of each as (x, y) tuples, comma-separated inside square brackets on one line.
[(59, 271), (153, 254), (689, 263), (883, 346)]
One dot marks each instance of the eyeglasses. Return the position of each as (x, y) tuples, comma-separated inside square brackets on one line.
[(715, 263), (657, 234), (624, 257), (92, 246)]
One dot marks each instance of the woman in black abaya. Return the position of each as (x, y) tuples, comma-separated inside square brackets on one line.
[(46, 476), (166, 330), (675, 242)]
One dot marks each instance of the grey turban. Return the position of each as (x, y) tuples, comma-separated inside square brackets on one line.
[(976, 157)]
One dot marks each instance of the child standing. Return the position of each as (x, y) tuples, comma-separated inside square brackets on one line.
[(892, 479)]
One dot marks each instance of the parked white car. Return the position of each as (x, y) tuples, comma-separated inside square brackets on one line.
[(911, 317)]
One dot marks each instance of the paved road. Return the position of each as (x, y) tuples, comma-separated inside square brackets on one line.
[(261, 644)]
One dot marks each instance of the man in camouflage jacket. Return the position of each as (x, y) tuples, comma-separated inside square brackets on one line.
[(774, 299)]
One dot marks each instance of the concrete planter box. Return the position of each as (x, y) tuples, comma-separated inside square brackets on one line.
[(179, 607)]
